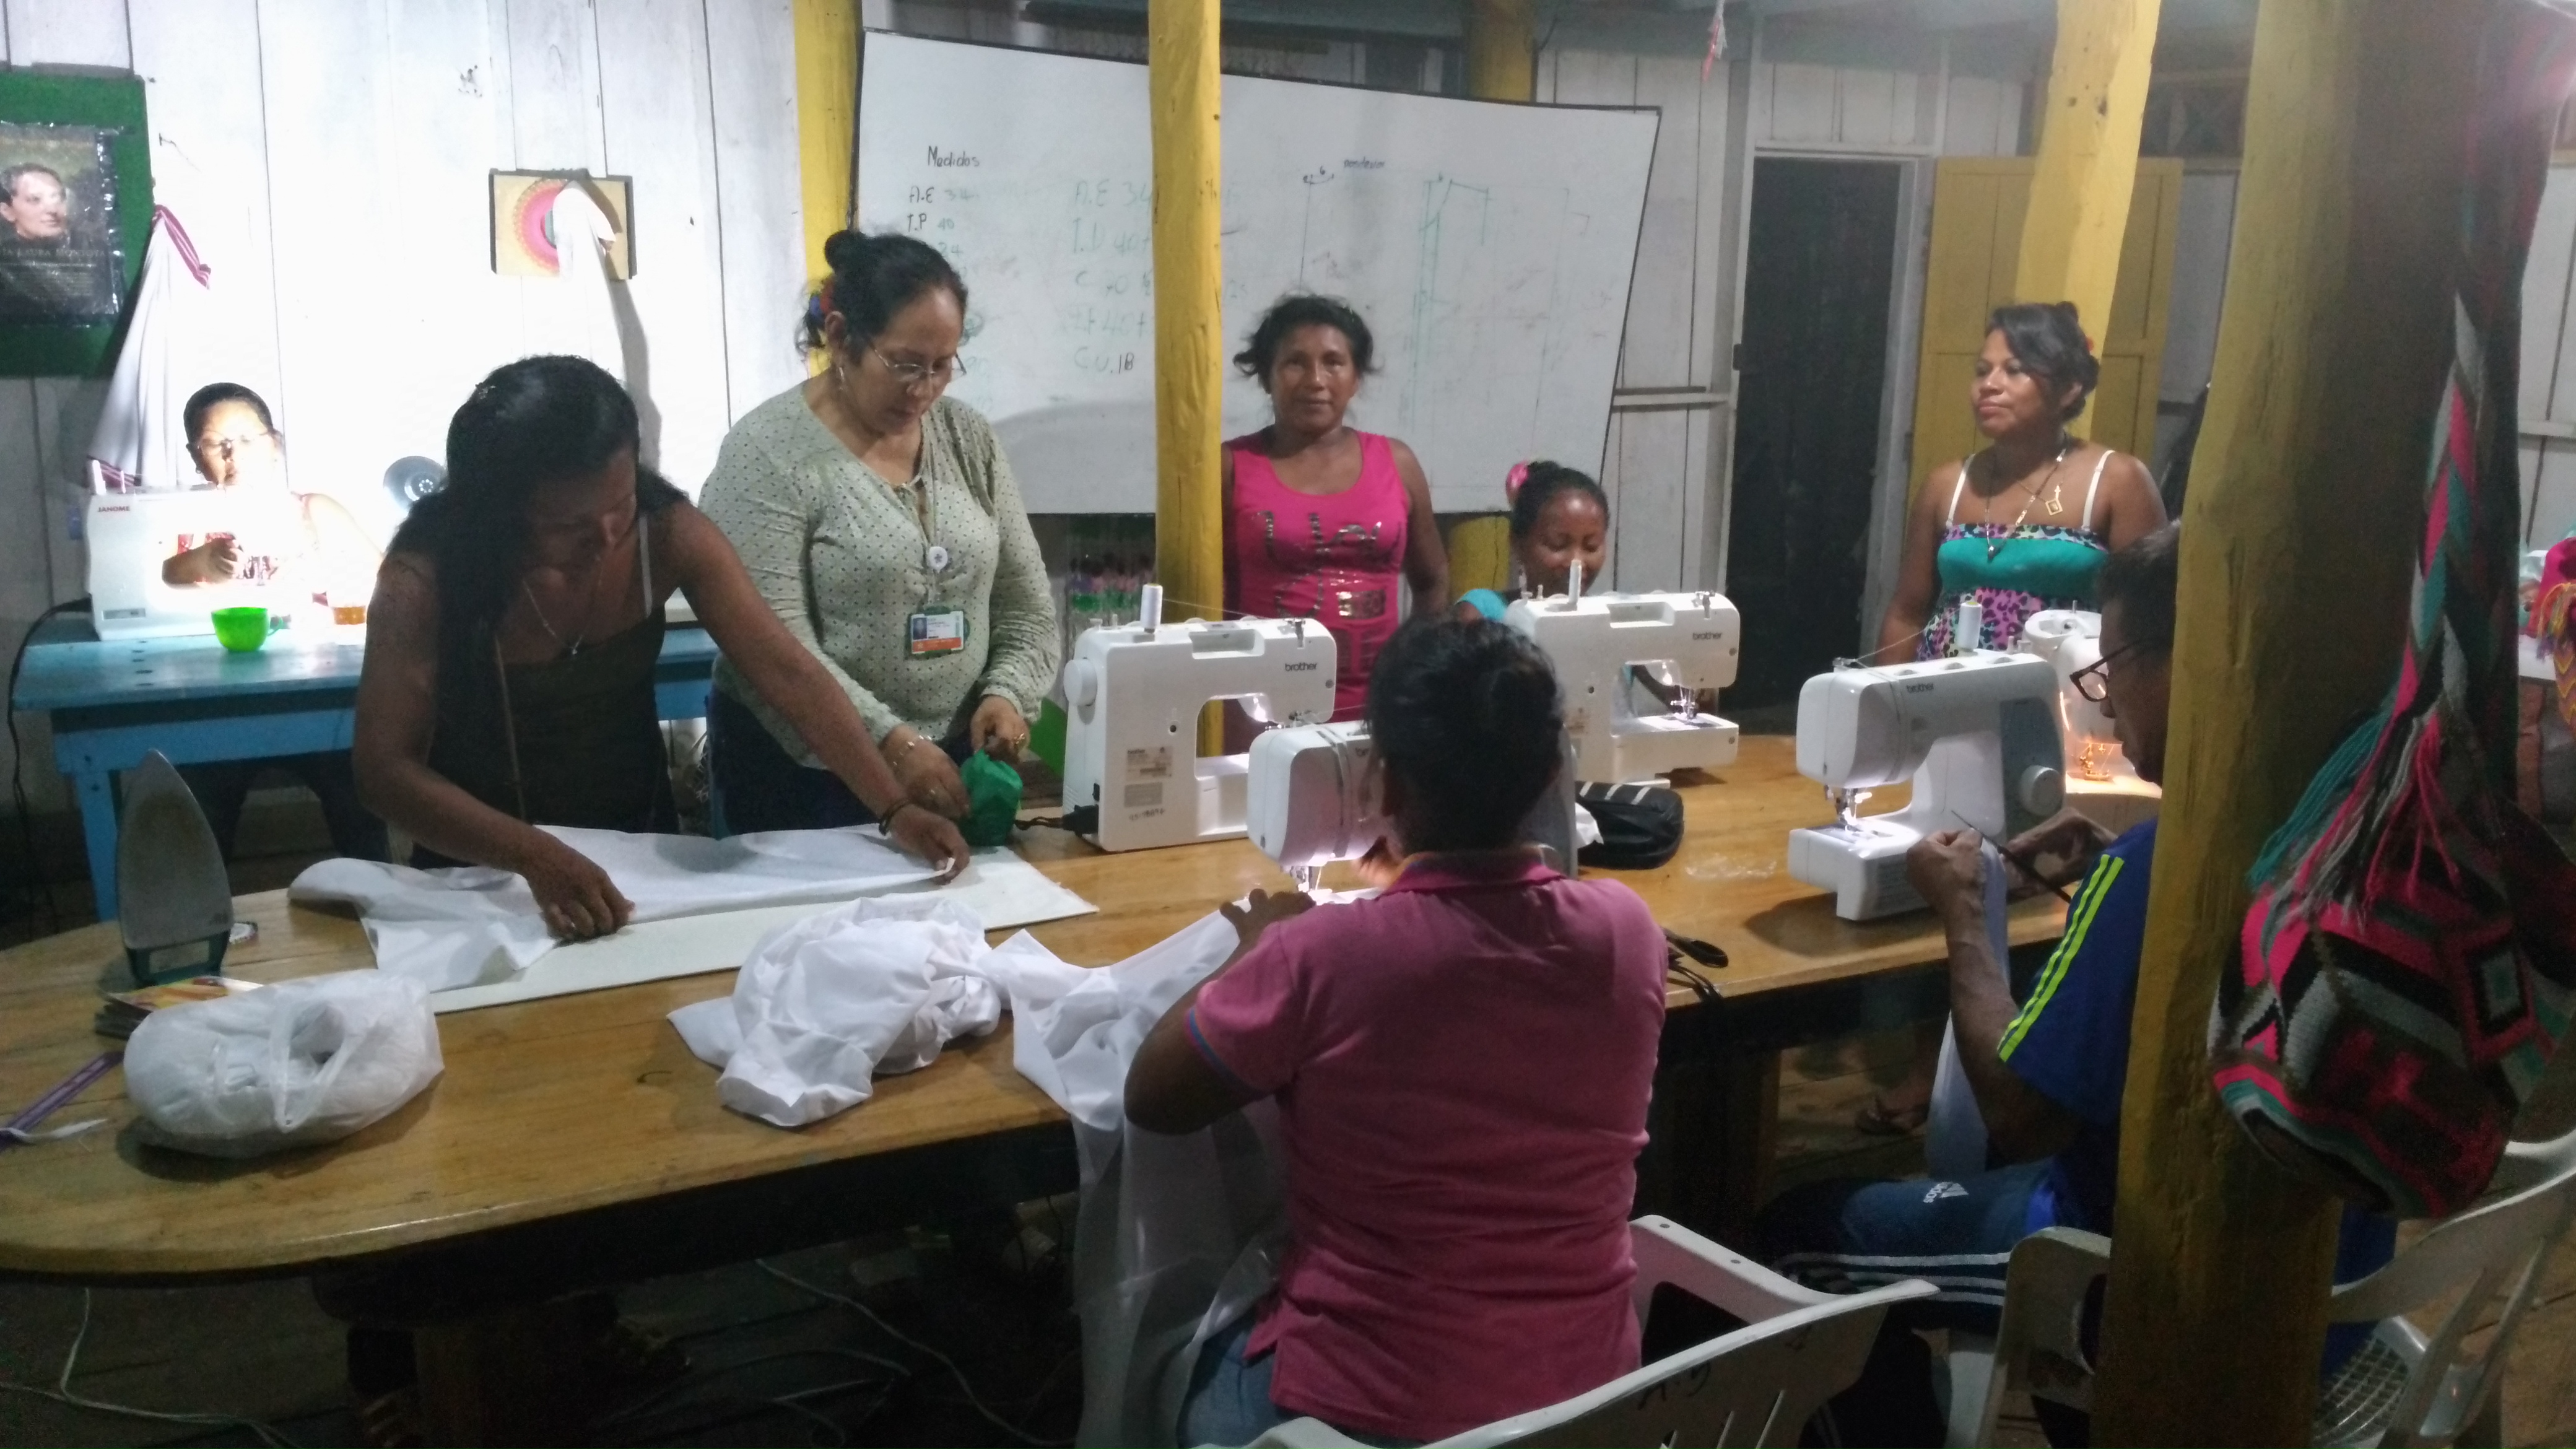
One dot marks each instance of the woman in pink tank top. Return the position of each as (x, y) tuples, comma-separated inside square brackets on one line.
[(1322, 521)]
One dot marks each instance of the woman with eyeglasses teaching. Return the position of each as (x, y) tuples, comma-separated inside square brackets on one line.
[(881, 521)]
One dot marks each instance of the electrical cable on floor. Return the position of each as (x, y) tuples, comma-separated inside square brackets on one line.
[(40, 889), (697, 1378), (973, 1401), (62, 1393)]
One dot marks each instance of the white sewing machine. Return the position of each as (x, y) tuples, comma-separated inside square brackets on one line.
[(2100, 781), (1132, 776), (131, 535), (1978, 734), (1313, 799), (1685, 642)]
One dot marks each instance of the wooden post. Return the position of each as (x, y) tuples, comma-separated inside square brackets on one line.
[(827, 122), (1189, 316), (1502, 64), (2088, 160), (2298, 533)]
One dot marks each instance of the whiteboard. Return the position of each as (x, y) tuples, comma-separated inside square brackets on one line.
[(1488, 245)]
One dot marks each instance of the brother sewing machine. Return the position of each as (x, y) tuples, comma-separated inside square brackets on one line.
[(1685, 642), (131, 535), (1977, 733), (1132, 776), (1313, 799), (2100, 781)]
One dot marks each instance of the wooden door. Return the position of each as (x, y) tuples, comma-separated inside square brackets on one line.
[(1977, 208)]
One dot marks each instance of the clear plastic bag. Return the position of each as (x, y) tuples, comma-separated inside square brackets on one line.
[(298, 1063)]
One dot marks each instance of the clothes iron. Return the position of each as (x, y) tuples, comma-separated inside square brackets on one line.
[(176, 900)]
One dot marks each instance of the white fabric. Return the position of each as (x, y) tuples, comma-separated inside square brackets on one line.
[(824, 1004), (583, 234), (140, 440), (1177, 1237), (468, 925), (1954, 1131), (303, 1061)]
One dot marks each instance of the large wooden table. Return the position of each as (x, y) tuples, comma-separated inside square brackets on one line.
[(574, 1141)]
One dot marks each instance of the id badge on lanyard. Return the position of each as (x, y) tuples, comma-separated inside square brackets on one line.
[(935, 629)]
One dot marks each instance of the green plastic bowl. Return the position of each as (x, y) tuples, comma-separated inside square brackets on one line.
[(242, 630)]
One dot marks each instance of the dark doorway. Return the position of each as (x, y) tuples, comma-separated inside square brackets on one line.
[(1818, 273)]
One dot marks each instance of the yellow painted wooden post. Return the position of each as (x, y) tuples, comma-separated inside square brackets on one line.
[(2304, 510), (1502, 64), (2088, 156), (827, 120), (1189, 314)]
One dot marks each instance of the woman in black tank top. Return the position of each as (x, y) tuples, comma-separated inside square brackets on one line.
[(514, 633)]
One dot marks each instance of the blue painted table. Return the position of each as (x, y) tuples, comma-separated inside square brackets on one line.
[(194, 702)]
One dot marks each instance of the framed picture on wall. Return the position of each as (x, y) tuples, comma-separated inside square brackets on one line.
[(523, 226), (75, 214)]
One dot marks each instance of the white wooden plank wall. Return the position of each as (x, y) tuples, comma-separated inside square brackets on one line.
[(330, 158), (2548, 401)]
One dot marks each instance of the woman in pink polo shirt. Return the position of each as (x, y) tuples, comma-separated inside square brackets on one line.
[(1324, 521), (1462, 1067)]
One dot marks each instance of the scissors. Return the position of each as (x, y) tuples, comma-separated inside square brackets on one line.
[(2027, 864)]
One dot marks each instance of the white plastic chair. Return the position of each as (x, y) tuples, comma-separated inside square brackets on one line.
[(1758, 1385), (2490, 1255)]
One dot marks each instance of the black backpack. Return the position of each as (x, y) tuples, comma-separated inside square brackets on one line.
[(1641, 825)]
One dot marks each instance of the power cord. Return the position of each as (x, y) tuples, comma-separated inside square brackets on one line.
[(39, 889), (973, 1401), (61, 1393)]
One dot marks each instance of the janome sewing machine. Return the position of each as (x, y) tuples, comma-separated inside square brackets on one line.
[(1132, 776), (1685, 642), (131, 535), (1978, 735), (2100, 781)]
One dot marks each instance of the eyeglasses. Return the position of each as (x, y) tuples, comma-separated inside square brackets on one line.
[(915, 375), (2093, 681), (225, 448)]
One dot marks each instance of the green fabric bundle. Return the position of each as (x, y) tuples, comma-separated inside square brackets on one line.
[(992, 800)]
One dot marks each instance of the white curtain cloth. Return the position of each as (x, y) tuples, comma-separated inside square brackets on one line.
[(168, 353)]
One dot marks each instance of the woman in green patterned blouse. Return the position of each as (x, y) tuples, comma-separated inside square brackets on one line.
[(882, 522)]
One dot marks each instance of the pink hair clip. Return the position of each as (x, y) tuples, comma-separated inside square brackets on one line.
[(1513, 480)]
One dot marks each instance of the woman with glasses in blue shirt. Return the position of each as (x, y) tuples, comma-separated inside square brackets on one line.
[(881, 521)]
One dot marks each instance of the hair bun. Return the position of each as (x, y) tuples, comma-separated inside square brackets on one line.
[(846, 251), (1513, 480)]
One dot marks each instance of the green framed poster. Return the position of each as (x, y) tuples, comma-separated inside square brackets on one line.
[(75, 217)]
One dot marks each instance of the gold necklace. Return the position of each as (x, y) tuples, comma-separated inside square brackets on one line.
[(1994, 546)]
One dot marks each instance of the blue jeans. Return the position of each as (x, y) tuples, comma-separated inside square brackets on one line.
[(1229, 1397)]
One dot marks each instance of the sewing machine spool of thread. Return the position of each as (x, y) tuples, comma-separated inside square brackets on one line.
[(1971, 627)]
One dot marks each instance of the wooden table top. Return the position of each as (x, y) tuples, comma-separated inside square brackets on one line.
[(555, 1106)]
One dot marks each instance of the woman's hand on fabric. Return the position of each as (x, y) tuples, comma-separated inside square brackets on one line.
[(1262, 911), (2064, 847), (575, 896), (929, 837), (1948, 869), (928, 776), (999, 729)]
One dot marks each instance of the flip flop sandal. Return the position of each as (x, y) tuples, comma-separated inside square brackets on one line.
[(1879, 1120), (392, 1421), (630, 1356)]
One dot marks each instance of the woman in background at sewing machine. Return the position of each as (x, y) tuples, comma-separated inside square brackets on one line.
[(235, 445), (517, 622), (2021, 525), (1462, 1067), (1324, 521), (881, 521)]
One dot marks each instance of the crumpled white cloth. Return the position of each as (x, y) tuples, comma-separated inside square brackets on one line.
[(826, 1003), (1177, 1237), (468, 925)]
